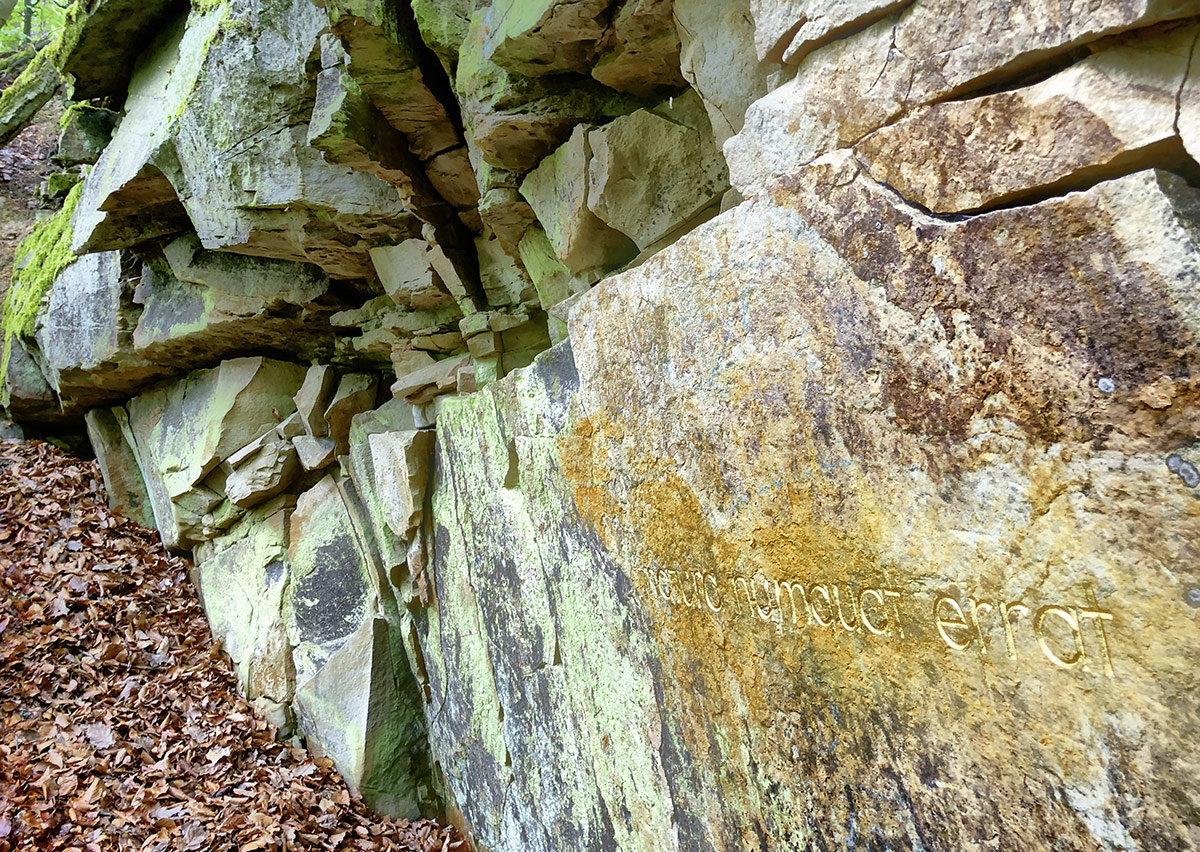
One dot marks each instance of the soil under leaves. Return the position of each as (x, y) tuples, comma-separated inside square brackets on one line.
[(120, 723)]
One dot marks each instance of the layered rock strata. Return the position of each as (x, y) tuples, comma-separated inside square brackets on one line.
[(658, 425)]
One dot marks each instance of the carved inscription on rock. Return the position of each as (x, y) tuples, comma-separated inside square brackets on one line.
[(1067, 634)]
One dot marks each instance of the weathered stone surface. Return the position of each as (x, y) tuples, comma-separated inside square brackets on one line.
[(86, 132), (718, 60), (931, 592), (127, 198), (182, 431), (408, 276), (535, 37), (241, 585), (422, 385), (263, 474), (83, 336), (27, 94), (332, 593), (393, 416), (514, 121), (314, 397), (360, 710), (314, 453), (203, 306), (640, 53), (651, 176), (104, 42), (1114, 109), (123, 483), (557, 190), (200, 101), (400, 461), (356, 393), (927, 53), (788, 30)]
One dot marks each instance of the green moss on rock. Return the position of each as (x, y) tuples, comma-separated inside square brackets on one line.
[(40, 258)]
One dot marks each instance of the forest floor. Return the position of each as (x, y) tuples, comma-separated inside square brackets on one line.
[(120, 723)]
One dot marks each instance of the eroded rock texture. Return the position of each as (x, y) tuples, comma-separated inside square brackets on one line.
[(659, 424)]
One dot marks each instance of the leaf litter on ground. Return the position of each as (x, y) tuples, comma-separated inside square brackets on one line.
[(121, 727)]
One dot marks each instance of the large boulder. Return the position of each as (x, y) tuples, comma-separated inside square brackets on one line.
[(909, 517)]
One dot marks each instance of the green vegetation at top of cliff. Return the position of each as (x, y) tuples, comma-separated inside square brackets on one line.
[(39, 260)]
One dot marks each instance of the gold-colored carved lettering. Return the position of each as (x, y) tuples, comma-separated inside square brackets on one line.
[(894, 596), (976, 607), (824, 622), (1009, 609), (866, 620), (1100, 616), (1066, 615), (745, 591), (715, 607), (763, 611), (837, 604), (695, 601), (960, 623), (791, 589)]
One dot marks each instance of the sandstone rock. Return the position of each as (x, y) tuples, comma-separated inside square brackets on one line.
[(407, 275), (640, 52), (83, 336), (315, 453), (127, 198), (788, 30), (102, 44), (650, 177), (443, 25), (718, 60), (28, 93), (355, 712), (182, 431), (1116, 108), (332, 593), (421, 386), (557, 190), (395, 415), (123, 483), (992, 403), (241, 585), (86, 132), (927, 53), (535, 37), (274, 196), (355, 394), (263, 474), (507, 215), (204, 306), (314, 397), (516, 121), (384, 48), (504, 283), (400, 461)]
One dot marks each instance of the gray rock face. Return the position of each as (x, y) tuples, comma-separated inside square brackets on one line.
[(682, 569)]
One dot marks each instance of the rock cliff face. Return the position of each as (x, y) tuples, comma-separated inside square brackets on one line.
[(658, 425)]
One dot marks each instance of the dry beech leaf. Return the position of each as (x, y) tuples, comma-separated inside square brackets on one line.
[(120, 724)]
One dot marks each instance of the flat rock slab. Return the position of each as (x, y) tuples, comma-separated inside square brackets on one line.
[(902, 546)]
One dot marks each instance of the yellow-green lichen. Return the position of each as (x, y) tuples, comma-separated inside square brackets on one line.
[(40, 258)]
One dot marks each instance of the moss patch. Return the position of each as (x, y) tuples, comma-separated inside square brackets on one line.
[(40, 258)]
